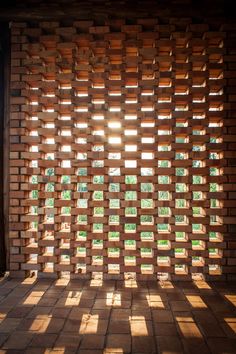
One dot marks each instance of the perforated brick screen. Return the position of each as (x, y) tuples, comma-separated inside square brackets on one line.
[(118, 140)]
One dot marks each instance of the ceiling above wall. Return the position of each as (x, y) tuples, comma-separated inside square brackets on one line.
[(36, 9)]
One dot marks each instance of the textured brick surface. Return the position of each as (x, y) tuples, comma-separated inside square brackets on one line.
[(199, 326), (122, 154)]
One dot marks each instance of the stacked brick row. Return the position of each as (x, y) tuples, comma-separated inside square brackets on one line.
[(229, 185), (120, 154)]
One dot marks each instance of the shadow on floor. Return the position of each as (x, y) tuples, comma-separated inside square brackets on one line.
[(106, 317)]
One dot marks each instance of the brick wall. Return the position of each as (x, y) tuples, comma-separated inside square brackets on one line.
[(122, 147)]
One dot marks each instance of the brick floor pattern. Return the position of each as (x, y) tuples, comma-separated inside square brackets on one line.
[(108, 317)]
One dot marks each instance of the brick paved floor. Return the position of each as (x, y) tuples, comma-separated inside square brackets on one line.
[(95, 317)]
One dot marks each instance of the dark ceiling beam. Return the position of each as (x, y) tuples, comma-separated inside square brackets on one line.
[(61, 9)]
